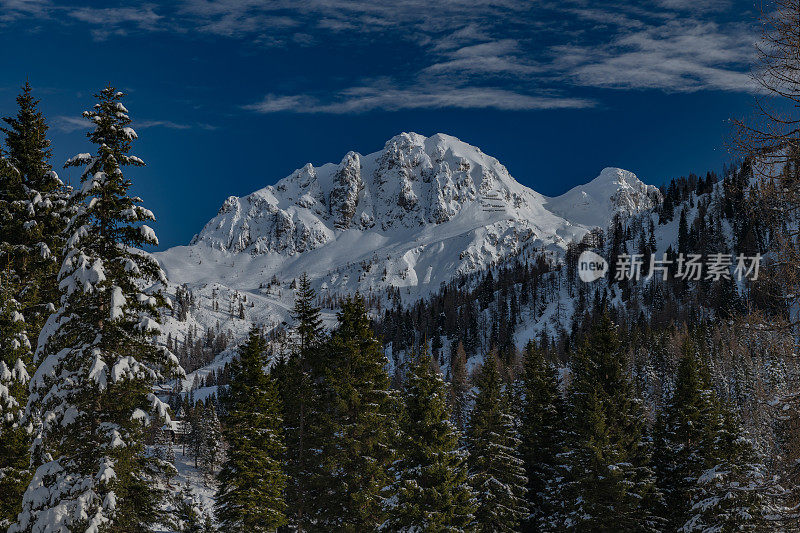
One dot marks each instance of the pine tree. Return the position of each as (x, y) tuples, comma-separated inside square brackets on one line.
[(33, 211), (683, 234), (297, 378), (211, 443), (32, 218), (26, 139), (252, 480), (15, 356), (608, 484), (196, 435), (684, 433), (542, 435), (707, 470), (459, 387), (496, 473), (186, 513), (357, 426), (98, 357), (431, 471), (728, 493)]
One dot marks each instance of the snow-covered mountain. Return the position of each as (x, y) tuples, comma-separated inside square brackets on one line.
[(613, 191), (413, 215)]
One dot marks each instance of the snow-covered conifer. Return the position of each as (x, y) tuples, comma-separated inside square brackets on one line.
[(608, 484), (431, 488), (15, 355), (496, 472), (542, 436), (91, 396), (186, 514), (33, 211), (296, 378), (252, 481), (357, 426)]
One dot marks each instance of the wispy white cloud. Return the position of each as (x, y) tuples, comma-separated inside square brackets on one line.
[(144, 124), (504, 56), (680, 56), (501, 54), (107, 21), (377, 97), (69, 124), (11, 10)]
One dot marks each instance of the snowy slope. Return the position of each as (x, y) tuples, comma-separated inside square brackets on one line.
[(412, 215), (613, 191)]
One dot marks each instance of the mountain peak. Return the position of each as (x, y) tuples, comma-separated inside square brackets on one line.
[(613, 191), (416, 213)]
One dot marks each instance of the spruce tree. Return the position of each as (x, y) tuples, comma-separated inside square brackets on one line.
[(432, 492), (186, 513), (608, 484), (297, 378), (211, 444), (683, 234), (542, 436), (684, 432), (33, 211), (707, 469), (27, 143), (250, 496), (459, 387), (15, 356), (728, 494), (98, 360), (496, 472), (357, 426)]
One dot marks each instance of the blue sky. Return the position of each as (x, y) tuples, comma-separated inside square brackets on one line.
[(230, 96)]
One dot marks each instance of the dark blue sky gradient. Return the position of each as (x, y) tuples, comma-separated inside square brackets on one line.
[(190, 85)]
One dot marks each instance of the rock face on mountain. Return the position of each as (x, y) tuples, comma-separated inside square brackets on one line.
[(613, 191), (414, 214)]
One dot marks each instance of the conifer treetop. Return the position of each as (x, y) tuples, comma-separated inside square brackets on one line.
[(28, 147), (91, 396)]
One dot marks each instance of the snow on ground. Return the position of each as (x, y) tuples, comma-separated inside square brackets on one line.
[(413, 215)]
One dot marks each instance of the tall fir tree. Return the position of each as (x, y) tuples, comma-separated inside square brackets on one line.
[(252, 481), (15, 356), (357, 426), (542, 436), (459, 387), (33, 214), (496, 472), (684, 432), (298, 377), (683, 234), (186, 514), (27, 143), (33, 211), (98, 360), (211, 444), (431, 487), (707, 469), (608, 482)]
